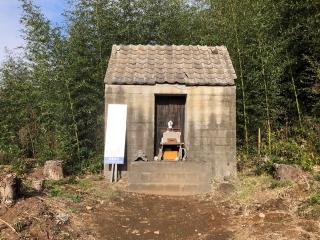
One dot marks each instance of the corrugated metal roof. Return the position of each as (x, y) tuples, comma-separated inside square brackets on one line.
[(152, 64)]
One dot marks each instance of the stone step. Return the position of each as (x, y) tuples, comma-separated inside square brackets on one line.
[(169, 166), (170, 178), (169, 189)]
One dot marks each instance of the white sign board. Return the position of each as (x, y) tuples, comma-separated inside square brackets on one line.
[(115, 134)]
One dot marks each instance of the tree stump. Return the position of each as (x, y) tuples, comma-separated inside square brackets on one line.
[(53, 170), (10, 186)]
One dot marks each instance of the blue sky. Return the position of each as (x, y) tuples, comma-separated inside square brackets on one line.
[(10, 12)]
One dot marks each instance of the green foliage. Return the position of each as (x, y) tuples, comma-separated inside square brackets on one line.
[(22, 165), (291, 152), (291, 146), (52, 99)]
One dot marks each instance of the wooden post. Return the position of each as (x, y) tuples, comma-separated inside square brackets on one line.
[(116, 173), (112, 172)]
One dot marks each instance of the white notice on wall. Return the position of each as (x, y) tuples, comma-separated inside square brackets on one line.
[(115, 134)]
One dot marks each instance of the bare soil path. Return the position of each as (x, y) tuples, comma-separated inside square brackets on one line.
[(160, 217)]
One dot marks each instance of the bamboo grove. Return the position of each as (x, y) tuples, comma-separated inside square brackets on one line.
[(52, 95)]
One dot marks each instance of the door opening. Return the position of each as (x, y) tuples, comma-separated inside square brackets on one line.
[(168, 107)]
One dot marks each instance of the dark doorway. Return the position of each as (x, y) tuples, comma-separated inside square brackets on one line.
[(168, 107)]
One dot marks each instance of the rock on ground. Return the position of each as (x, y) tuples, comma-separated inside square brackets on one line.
[(289, 172)]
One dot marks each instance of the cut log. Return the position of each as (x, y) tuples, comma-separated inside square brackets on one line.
[(10, 186), (53, 170)]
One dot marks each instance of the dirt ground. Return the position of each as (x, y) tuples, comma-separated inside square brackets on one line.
[(89, 208)]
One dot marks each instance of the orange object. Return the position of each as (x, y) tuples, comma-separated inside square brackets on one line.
[(170, 155)]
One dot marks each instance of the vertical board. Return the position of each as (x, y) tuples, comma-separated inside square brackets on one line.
[(168, 108), (115, 134)]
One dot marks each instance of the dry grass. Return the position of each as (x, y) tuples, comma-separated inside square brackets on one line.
[(98, 188)]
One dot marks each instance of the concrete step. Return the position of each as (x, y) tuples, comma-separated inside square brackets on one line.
[(169, 166), (170, 178), (169, 188)]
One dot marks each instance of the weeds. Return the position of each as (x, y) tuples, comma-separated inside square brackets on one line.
[(248, 185), (72, 210), (57, 189), (55, 192), (280, 183), (85, 184), (21, 224), (316, 176), (311, 206), (96, 188), (314, 199)]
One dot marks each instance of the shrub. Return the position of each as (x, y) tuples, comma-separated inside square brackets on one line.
[(300, 147)]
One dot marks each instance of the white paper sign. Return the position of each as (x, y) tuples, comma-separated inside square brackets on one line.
[(115, 134)]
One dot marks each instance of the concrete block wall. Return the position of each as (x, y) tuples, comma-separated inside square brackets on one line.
[(210, 122)]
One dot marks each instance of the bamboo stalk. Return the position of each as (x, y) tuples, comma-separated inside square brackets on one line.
[(99, 35), (265, 94), (292, 81), (244, 107), (296, 96), (75, 126), (74, 120)]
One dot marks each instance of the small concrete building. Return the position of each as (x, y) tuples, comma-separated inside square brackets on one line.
[(192, 86)]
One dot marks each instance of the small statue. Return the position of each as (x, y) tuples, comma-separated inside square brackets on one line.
[(141, 156), (170, 124)]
